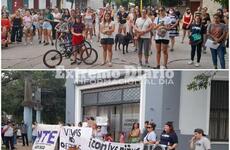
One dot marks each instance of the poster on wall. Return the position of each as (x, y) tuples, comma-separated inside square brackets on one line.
[(47, 137), (74, 136)]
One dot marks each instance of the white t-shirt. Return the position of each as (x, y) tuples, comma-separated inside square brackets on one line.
[(34, 131), (56, 15), (203, 144), (9, 132), (166, 21), (110, 25), (150, 137), (143, 24)]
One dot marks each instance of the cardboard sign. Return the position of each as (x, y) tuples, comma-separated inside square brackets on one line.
[(47, 137), (74, 136)]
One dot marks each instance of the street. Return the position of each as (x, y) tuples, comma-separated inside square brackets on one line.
[(18, 56)]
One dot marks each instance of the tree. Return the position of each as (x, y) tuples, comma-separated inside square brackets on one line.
[(53, 98), (201, 81), (224, 3)]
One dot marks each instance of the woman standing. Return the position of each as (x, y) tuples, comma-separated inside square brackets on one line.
[(173, 32), (122, 17), (134, 135), (151, 136), (187, 20), (162, 25), (205, 21), (40, 23), (57, 17), (34, 131), (88, 20), (217, 32), (196, 40), (169, 137), (107, 27), (78, 33), (28, 28), (47, 27), (17, 23)]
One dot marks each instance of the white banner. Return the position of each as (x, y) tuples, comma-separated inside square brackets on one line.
[(95, 144), (74, 136), (47, 137)]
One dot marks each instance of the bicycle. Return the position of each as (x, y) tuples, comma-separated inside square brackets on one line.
[(53, 57), (65, 37)]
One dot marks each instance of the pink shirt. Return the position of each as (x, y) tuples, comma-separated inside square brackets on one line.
[(27, 21)]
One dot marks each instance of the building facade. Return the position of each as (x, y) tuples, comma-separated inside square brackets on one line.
[(13, 5), (157, 100)]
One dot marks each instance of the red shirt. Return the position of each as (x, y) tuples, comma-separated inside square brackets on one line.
[(5, 23)]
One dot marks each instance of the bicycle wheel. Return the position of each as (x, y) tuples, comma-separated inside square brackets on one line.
[(52, 58), (87, 44), (89, 56)]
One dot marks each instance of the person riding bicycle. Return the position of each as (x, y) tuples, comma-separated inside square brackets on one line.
[(78, 36)]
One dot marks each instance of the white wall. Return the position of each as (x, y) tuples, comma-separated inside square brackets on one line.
[(42, 5), (194, 106), (31, 3), (95, 4), (3, 3), (67, 4), (211, 5)]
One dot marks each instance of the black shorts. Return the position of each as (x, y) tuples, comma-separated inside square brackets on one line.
[(107, 41), (162, 41)]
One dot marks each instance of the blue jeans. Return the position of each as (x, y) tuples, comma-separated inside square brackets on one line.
[(33, 139), (220, 52)]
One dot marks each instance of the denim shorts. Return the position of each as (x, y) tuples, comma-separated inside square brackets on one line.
[(47, 25), (107, 41)]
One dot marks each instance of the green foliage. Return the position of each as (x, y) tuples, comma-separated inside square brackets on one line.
[(201, 81), (13, 94), (224, 3)]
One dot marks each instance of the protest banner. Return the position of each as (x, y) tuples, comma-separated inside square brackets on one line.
[(47, 137), (74, 136), (96, 144)]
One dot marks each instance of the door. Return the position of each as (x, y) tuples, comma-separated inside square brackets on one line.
[(36, 4), (113, 113), (194, 6), (17, 4)]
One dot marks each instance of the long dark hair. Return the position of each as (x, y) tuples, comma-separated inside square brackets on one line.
[(110, 18), (134, 125), (171, 128)]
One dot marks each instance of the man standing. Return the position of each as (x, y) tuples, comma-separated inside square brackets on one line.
[(24, 129), (199, 141), (145, 131), (8, 135)]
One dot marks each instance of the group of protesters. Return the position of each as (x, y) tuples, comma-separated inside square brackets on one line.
[(148, 26), (168, 137), (11, 132)]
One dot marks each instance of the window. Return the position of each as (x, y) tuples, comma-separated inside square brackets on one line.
[(218, 127)]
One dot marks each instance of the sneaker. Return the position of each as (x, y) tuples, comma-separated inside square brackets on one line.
[(110, 64), (190, 62), (171, 49), (197, 64), (163, 67), (103, 63), (158, 67), (40, 42), (52, 44), (31, 43)]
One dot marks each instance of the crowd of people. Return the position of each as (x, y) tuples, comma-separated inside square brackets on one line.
[(11, 132), (149, 27)]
